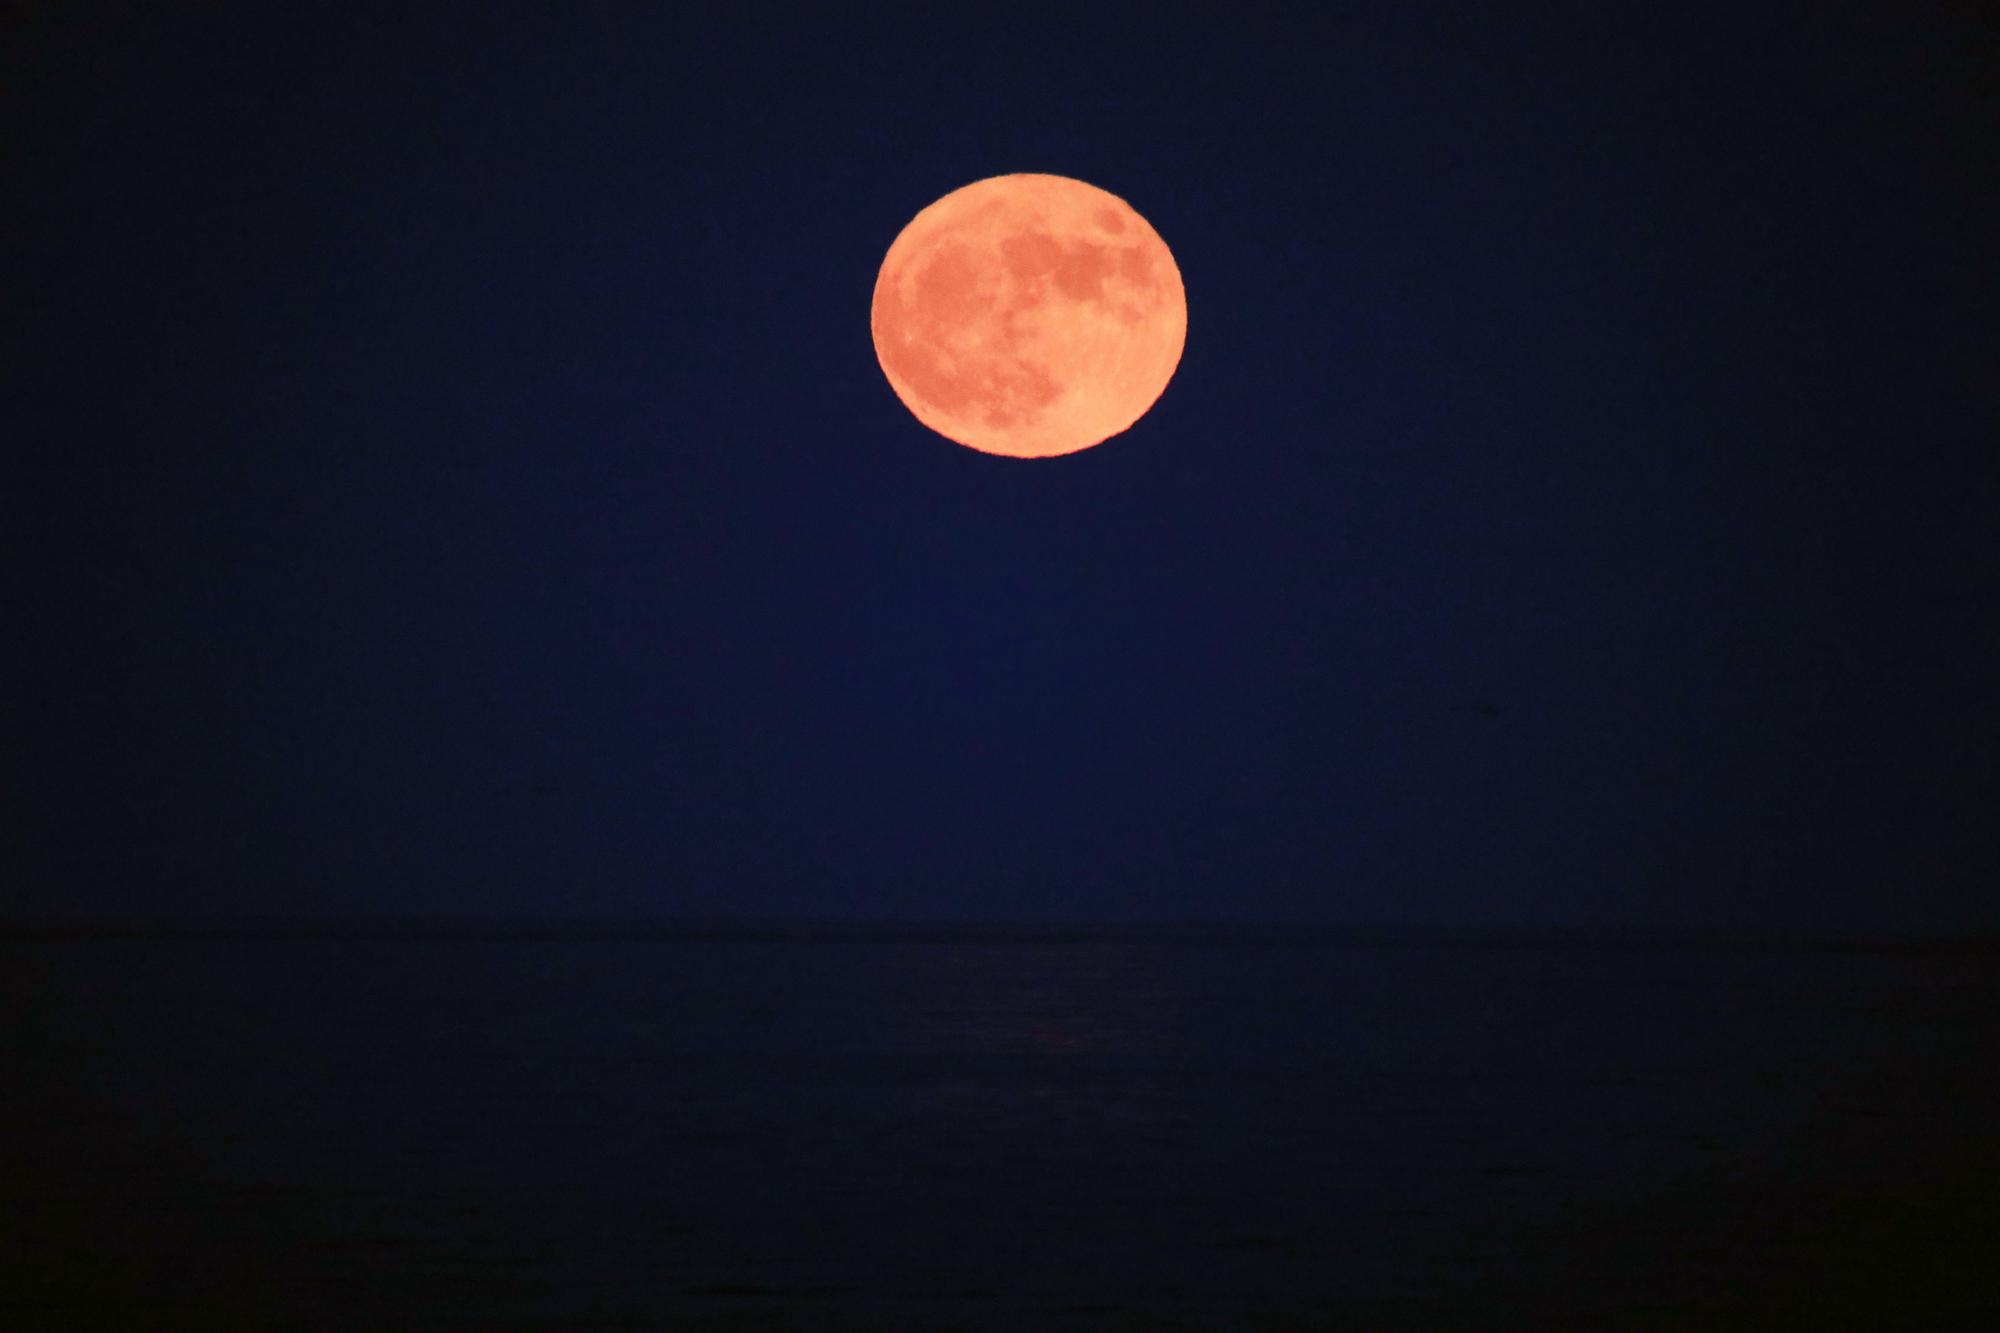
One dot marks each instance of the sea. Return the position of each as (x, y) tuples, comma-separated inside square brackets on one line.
[(803, 1127)]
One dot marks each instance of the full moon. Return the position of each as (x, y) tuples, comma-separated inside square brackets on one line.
[(1029, 315)]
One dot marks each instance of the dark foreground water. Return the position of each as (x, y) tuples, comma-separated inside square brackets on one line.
[(908, 1131)]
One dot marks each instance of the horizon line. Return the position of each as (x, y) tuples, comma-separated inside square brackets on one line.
[(523, 926)]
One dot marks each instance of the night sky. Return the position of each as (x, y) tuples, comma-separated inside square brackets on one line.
[(447, 469)]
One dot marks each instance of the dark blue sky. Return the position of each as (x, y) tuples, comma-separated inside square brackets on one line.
[(449, 471)]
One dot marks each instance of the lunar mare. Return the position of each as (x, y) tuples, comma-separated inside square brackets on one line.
[(1029, 315)]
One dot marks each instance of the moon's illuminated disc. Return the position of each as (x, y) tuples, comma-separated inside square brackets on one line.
[(1029, 315)]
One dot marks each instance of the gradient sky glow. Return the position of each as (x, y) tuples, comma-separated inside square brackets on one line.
[(447, 470)]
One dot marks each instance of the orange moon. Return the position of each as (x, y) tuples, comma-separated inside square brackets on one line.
[(1029, 315)]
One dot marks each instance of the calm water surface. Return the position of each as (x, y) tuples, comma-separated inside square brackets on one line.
[(976, 1131)]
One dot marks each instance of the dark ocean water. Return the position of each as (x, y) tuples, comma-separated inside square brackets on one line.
[(993, 1130)]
